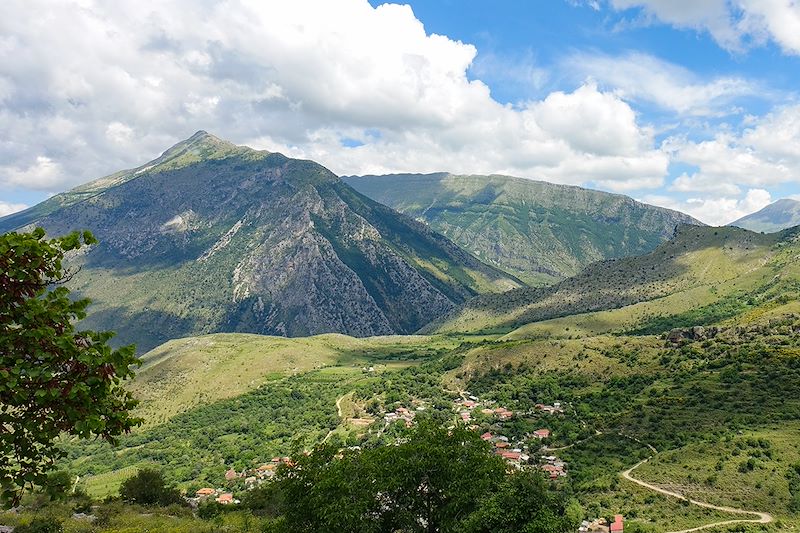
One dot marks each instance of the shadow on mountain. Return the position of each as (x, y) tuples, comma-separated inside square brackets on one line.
[(146, 329), (696, 256)]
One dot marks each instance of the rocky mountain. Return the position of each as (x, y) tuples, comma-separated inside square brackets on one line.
[(784, 213), (540, 232), (213, 237)]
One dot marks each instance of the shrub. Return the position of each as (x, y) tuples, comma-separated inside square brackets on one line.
[(148, 487), (41, 525)]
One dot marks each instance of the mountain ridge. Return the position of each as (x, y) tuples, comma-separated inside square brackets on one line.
[(777, 216), (538, 231), (701, 265), (211, 237)]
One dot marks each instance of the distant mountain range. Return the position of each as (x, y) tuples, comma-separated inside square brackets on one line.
[(776, 216), (215, 237), (540, 232)]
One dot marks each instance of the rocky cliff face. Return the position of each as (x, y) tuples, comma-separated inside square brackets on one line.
[(214, 237)]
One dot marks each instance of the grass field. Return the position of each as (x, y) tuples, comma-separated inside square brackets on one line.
[(107, 484), (186, 373)]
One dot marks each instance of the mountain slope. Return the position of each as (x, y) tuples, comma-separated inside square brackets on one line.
[(213, 237), (784, 213), (700, 267), (540, 232)]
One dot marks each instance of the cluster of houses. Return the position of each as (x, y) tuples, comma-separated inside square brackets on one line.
[(512, 453), (402, 413), (219, 496), (601, 525), (466, 406), (515, 454), (551, 409), (553, 466), (255, 476)]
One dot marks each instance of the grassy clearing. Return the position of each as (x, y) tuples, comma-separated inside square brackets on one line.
[(185, 373), (107, 484), (589, 356)]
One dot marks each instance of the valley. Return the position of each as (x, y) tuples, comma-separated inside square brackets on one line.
[(418, 266), (540, 232), (660, 387), (718, 403)]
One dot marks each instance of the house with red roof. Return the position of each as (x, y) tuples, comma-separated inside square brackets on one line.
[(486, 436), (226, 498), (511, 456), (541, 433), (617, 525)]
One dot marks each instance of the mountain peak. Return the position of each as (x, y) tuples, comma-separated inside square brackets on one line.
[(785, 202), (781, 214), (201, 146)]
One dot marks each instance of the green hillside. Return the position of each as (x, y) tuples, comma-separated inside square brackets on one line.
[(701, 267), (540, 232), (185, 373), (212, 237), (720, 400), (694, 366)]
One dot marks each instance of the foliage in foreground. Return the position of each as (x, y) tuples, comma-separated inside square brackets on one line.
[(53, 378), (432, 480)]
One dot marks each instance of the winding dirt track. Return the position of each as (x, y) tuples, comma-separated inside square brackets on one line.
[(339, 405), (338, 412), (763, 518)]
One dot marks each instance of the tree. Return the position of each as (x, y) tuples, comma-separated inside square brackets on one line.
[(58, 485), (430, 481), (148, 487), (524, 504), (53, 378)]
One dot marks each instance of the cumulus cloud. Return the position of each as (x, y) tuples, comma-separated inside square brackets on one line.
[(766, 153), (716, 211), (6, 208), (642, 77), (90, 87), (732, 23)]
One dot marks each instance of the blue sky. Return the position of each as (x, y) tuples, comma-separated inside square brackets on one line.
[(692, 105)]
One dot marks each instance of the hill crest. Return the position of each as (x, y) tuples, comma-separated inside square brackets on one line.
[(538, 231)]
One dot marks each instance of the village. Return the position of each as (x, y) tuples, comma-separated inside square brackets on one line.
[(529, 451)]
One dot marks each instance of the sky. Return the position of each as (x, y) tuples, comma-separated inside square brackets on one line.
[(688, 104)]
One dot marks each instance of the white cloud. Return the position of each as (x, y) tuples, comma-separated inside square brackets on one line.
[(766, 153), (716, 211), (732, 23), (92, 87), (6, 208), (42, 174), (642, 77)]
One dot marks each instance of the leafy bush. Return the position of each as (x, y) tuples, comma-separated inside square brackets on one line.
[(148, 487), (41, 525)]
